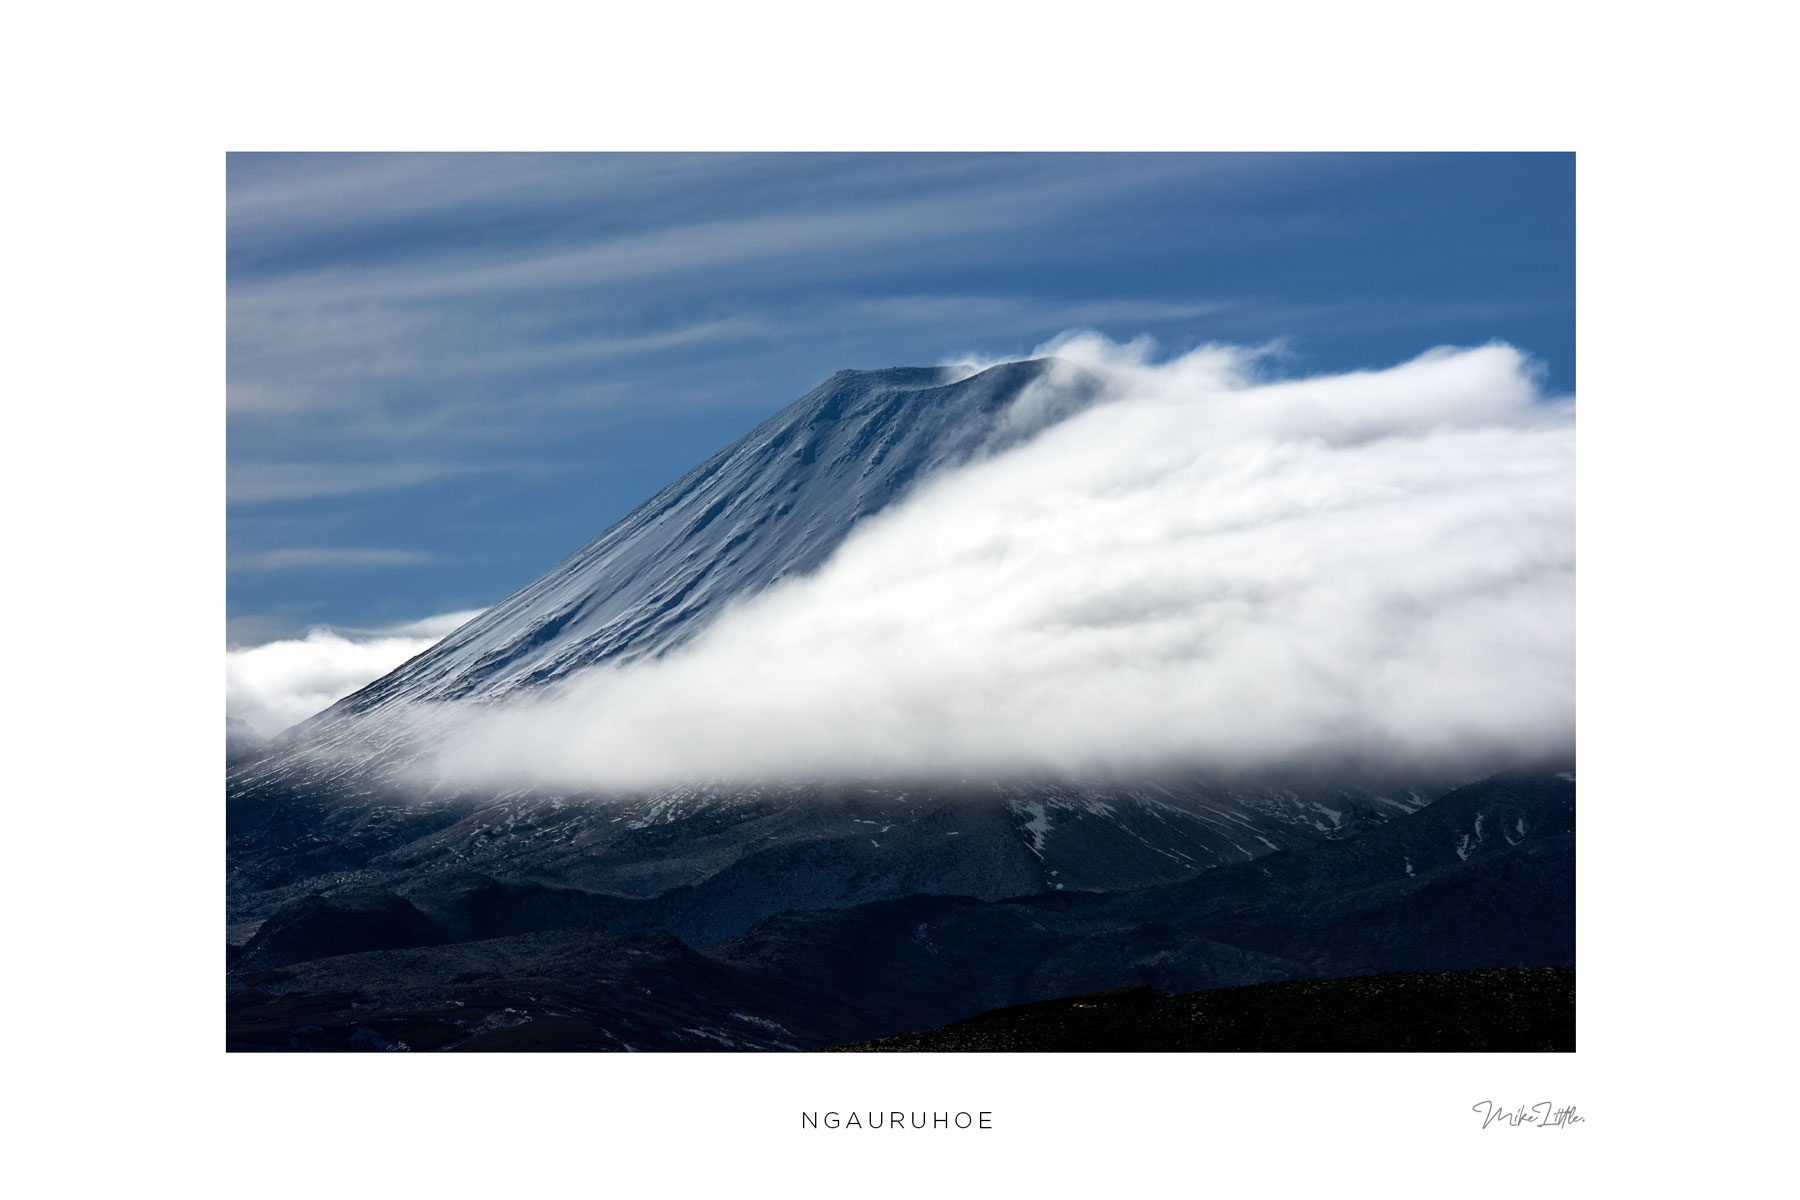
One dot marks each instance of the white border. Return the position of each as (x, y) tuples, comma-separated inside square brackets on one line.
[(116, 479)]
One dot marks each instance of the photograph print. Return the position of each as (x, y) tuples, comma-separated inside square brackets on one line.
[(900, 602)]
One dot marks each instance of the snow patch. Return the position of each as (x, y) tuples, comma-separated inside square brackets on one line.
[(1038, 827)]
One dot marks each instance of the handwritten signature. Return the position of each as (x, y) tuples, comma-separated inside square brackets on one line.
[(1545, 1115)]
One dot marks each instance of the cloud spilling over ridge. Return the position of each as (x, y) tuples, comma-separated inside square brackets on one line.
[(275, 684), (1203, 570)]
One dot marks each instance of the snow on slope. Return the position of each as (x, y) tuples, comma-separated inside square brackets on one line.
[(775, 503)]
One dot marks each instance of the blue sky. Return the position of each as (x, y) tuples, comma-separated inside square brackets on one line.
[(446, 372)]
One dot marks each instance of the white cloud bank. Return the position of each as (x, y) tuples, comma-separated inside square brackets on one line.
[(1201, 570), (278, 683)]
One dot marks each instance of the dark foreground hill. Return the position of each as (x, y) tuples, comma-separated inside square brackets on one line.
[(1502, 1009)]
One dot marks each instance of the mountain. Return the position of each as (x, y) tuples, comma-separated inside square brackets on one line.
[(318, 810), (775, 503), (336, 864)]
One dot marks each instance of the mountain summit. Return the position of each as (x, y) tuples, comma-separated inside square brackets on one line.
[(327, 806)]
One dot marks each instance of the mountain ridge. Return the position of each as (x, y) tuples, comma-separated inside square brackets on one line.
[(774, 503)]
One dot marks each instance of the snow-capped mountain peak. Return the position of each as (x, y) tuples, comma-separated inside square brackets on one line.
[(773, 504)]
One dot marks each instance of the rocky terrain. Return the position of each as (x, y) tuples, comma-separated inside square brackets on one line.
[(1483, 877)]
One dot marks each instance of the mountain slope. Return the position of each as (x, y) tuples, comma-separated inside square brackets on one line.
[(1334, 908), (707, 864), (775, 503)]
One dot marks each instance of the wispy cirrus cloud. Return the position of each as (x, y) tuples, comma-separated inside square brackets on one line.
[(1008, 314), (311, 364), (313, 557), (265, 482), (277, 200), (496, 295)]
